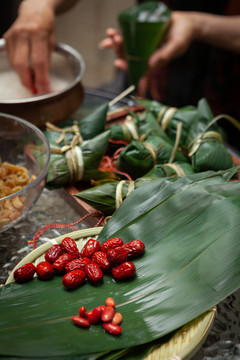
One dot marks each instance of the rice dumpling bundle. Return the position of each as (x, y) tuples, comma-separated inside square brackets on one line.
[(205, 143), (137, 158), (208, 152), (72, 163)]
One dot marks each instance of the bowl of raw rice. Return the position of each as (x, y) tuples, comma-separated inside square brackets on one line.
[(66, 71)]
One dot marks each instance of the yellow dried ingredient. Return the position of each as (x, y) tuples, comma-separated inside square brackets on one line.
[(13, 178)]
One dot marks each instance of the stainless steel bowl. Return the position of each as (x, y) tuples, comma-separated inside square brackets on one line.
[(67, 64)]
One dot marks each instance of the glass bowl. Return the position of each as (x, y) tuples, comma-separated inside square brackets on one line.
[(22, 144)]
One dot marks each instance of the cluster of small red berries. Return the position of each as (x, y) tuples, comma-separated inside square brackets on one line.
[(91, 263), (102, 314)]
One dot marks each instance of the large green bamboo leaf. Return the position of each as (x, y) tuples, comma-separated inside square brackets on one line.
[(192, 261)]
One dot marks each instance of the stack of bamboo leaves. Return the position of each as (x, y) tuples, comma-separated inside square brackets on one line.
[(191, 263)]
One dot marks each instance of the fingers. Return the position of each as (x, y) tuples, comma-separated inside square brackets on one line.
[(114, 40), (29, 43), (18, 50), (40, 53), (121, 64)]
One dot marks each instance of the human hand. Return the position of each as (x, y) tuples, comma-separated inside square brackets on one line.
[(114, 40), (29, 42)]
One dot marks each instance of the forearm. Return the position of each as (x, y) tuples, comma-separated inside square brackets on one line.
[(57, 6), (220, 31), (63, 5)]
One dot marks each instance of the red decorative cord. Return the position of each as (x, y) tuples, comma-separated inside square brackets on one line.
[(108, 164), (62, 226)]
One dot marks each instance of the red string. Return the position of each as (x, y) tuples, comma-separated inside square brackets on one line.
[(118, 142), (62, 226), (108, 164)]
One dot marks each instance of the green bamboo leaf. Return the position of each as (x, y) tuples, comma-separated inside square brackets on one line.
[(191, 231), (90, 126)]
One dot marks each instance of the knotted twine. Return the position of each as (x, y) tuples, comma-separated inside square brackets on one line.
[(130, 130), (73, 152), (119, 193), (153, 151), (165, 116), (210, 135)]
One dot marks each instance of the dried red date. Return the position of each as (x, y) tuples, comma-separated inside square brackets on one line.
[(100, 258), (77, 264), (111, 243), (112, 329), (134, 248), (24, 273), (60, 263), (44, 270), (117, 255), (90, 248), (123, 271), (80, 321), (94, 273), (74, 279), (53, 253), (70, 247)]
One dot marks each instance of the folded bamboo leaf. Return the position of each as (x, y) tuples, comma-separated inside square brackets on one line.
[(89, 126), (190, 228), (212, 154), (199, 124), (169, 117), (137, 158), (205, 143), (79, 163)]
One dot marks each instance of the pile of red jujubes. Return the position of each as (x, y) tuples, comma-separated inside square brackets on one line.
[(113, 256), (102, 314)]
